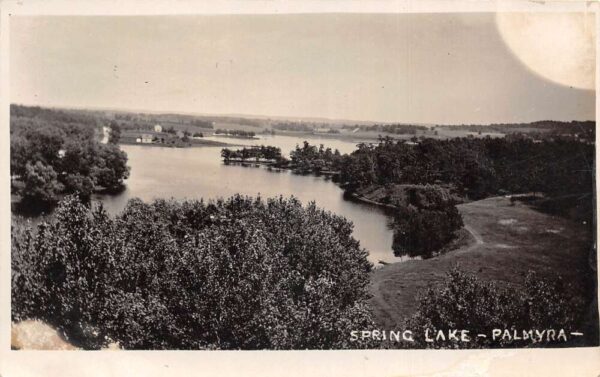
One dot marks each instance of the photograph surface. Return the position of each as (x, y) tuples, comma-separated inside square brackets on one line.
[(303, 181)]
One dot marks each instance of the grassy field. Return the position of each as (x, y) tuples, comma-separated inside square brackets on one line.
[(506, 242)]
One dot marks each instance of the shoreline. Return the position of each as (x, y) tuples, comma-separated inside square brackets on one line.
[(364, 199), (204, 143)]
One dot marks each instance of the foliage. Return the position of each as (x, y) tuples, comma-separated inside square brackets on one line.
[(463, 301), (584, 130), (293, 126), (115, 133), (310, 159), (52, 158), (476, 167), (240, 273), (425, 222), (40, 183), (202, 123), (259, 152), (394, 128), (237, 133)]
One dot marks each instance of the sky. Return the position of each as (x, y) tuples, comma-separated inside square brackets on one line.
[(409, 68)]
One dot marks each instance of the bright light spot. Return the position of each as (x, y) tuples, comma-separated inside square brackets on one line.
[(557, 46)]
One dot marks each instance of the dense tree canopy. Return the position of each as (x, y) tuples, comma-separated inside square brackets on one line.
[(562, 168), (50, 158), (258, 153), (392, 128), (237, 133), (239, 273), (465, 302), (115, 133), (476, 167), (424, 221), (312, 159)]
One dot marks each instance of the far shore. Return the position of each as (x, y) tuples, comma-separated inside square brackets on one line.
[(195, 144)]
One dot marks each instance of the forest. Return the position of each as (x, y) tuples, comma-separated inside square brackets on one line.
[(584, 130), (55, 153), (238, 273), (476, 168), (425, 181), (394, 128)]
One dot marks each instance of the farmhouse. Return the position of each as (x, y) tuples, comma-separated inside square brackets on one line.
[(145, 139)]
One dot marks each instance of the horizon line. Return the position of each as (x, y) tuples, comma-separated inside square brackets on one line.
[(284, 117)]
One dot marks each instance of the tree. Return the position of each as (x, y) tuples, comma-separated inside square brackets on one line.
[(110, 167), (71, 159), (115, 133), (226, 154), (462, 301), (40, 184), (240, 273), (425, 222), (80, 185)]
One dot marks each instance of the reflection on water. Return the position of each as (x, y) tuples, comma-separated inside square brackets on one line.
[(195, 173)]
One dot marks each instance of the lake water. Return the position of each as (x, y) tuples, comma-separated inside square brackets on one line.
[(195, 173)]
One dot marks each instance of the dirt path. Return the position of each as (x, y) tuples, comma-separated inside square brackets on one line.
[(379, 289), (472, 245)]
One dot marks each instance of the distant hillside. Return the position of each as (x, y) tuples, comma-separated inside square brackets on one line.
[(131, 119), (584, 129)]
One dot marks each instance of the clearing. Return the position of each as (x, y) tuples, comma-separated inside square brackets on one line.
[(506, 241)]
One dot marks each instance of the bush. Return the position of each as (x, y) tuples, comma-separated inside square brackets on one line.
[(464, 302), (239, 273)]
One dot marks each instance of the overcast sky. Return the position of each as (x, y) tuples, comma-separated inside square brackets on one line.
[(437, 68)]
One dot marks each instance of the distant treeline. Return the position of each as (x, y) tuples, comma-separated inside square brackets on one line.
[(53, 153), (477, 168), (399, 129), (202, 123), (293, 126), (126, 121), (584, 129), (239, 133), (54, 115)]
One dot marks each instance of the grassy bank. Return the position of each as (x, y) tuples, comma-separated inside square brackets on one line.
[(506, 241)]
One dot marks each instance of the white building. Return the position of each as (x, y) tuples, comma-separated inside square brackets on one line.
[(146, 139), (158, 128)]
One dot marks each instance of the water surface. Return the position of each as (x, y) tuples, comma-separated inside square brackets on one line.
[(195, 173)]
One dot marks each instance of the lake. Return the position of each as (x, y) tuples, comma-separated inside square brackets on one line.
[(195, 173)]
